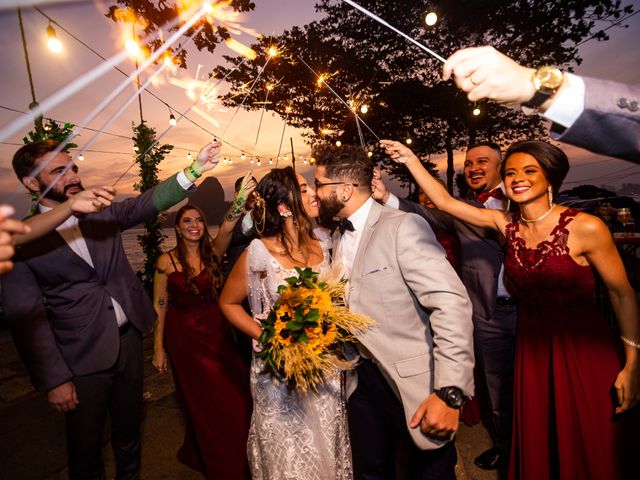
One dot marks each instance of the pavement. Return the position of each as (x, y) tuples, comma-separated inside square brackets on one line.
[(32, 439)]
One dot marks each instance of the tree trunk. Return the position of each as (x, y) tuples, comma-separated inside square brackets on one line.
[(449, 148)]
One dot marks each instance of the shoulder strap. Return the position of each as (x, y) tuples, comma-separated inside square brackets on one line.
[(172, 262)]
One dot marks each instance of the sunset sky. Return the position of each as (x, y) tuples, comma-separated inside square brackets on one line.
[(617, 59)]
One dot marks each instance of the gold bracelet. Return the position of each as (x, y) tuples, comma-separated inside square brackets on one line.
[(631, 343)]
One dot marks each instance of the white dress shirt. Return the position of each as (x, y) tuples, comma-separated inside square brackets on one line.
[(349, 241), (567, 105)]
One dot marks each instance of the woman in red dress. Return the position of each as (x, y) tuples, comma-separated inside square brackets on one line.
[(211, 378), (572, 393)]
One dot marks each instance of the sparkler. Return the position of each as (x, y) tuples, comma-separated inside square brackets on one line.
[(345, 103), (388, 25)]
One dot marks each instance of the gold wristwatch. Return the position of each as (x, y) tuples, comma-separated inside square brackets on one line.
[(546, 82)]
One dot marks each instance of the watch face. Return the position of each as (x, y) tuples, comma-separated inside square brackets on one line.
[(550, 78)]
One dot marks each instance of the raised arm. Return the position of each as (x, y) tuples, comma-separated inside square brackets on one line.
[(481, 217), (601, 253), (87, 201), (223, 238), (232, 296), (160, 303)]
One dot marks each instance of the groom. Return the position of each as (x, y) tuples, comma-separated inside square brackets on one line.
[(417, 362)]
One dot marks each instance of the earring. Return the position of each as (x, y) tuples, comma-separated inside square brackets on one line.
[(286, 213), (508, 206), (550, 194)]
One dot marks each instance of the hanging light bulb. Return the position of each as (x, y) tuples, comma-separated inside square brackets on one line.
[(258, 162), (364, 109), (136, 148), (312, 161), (408, 141), (304, 160), (369, 154), (243, 156), (431, 18), (54, 43), (271, 161), (81, 157), (172, 120), (189, 157), (338, 143), (286, 157), (476, 111), (251, 161), (230, 161)]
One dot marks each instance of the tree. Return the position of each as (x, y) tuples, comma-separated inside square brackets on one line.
[(149, 155), (367, 64)]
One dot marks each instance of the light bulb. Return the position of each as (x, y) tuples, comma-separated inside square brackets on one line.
[(364, 109), (476, 111), (430, 19), (189, 157), (369, 154), (136, 148), (172, 120), (54, 44), (243, 156), (408, 141), (271, 161), (81, 157), (338, 143)]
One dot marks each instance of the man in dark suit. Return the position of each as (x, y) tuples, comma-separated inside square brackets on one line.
[(77, 311), (598, 115), (494, 310)]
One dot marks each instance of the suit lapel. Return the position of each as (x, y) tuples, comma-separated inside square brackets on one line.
[(372, 219)]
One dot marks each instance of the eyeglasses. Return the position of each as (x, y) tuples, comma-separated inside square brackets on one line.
[(318, 184)]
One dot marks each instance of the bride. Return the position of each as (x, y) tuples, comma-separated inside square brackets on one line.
[(293, 434)]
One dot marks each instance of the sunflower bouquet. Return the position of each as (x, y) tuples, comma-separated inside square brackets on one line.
[(307, 326)]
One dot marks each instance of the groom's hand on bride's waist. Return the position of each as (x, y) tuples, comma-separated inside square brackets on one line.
[(435, 418)]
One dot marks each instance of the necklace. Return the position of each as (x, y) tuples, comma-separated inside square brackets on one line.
[(541, 217)]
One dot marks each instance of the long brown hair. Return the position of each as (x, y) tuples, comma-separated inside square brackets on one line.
[(280, 186), (205, 250)]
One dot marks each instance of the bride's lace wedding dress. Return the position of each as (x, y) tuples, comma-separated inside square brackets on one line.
[(293, 435)]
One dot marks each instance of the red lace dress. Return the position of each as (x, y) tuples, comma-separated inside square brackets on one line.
[(210, 377), (565, 367)]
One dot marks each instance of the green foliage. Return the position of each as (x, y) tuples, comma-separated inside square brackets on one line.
[(149, 155), (52, 130)]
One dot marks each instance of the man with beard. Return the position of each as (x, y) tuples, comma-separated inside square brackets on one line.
[(494, 310), (77, 310), (417, 361)]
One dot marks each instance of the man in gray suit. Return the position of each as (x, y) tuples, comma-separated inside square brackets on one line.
[(598, 115), (77, 311), (417, 363), (494, 310)]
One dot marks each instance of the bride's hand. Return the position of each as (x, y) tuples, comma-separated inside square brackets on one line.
[(627, 389)]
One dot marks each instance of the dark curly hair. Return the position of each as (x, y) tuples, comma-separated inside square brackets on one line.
[(280, 186), (347, 162), (207, 254), (24, 160), (553, 161)]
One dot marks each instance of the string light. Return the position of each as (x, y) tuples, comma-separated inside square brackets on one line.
[(271, 161), (364, 109), (81, 157), (243, 156), (476, 111), (430, 19), (54, 43), (189, 156), (258, 162), (408, 141), (304, 160), (136, 148), (369, 154), (312, 161), (338, 143), (172, 118)]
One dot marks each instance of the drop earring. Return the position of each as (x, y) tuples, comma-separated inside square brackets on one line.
[(550, 194)]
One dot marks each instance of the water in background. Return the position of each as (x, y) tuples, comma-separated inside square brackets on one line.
[(134, 252)]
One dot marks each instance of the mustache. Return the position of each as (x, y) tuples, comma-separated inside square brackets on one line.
[(72, 185)]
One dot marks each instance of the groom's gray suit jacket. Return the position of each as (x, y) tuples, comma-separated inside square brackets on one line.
[(423, 338)]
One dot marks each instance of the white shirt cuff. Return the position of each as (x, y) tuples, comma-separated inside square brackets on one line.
[(183, 180), (569, 104), (392, 201)]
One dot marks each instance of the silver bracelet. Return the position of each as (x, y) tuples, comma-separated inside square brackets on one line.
[(631, 343)]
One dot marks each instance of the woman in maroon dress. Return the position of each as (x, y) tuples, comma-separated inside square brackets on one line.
[(210, 376), (570, 387)]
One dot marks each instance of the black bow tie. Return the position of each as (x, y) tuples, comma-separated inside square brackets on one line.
[(345, 224)]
